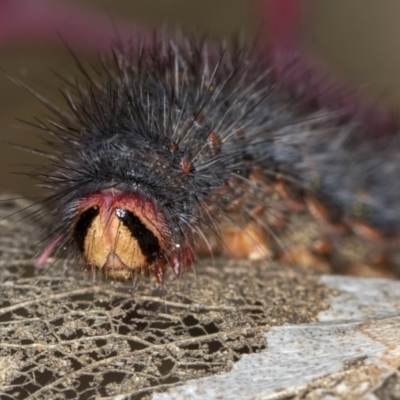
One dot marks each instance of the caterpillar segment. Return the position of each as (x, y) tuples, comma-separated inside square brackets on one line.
[(300, 231), (190, 148)]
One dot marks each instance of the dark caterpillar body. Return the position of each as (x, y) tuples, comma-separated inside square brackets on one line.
[(189, 147)]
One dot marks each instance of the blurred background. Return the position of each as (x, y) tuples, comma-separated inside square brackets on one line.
[(358, 39)]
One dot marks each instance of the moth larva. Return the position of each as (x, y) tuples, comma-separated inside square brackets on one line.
[(189, 147)]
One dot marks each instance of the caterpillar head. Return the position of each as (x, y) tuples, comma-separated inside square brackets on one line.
[(119, 234), (123, 235)]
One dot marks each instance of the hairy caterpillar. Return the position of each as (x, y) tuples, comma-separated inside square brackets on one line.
[(190, 147)]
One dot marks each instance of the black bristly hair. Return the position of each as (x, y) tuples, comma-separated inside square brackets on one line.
[(185, 122)]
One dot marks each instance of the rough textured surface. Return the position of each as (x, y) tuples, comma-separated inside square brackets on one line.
[(227, 330), (348, 354), (63, 335)]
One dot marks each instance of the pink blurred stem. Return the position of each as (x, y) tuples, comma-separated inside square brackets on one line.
[(285, 27), (300, 72), (41, 21), (307, 76)]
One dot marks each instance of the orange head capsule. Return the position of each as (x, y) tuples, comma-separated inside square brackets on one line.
[(122, 235)]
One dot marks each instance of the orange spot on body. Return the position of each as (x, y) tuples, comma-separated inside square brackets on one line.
[(213, 143)]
